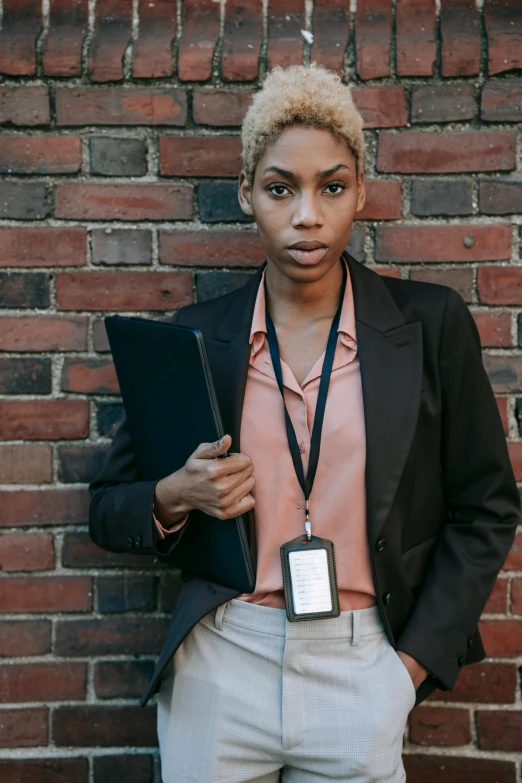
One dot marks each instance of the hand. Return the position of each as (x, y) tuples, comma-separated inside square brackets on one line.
[(219, 487), (416, 670)]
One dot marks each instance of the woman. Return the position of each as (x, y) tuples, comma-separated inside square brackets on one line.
[(371, 452)]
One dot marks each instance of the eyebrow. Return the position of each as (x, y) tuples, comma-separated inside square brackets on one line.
[(319, 174)]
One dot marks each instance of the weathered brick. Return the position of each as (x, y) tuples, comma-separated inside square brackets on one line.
[(383, 200), (79, 464), (439, 726), (40, 155), (221, 107), (242, 40), (198, 40), (331, 26), (210, 248), (133, 768), (422, 768), (112, 34), (21, 25), (501, 101), (20, 289), (200, 156), (449, 102), (355, 244), (50, 770), (46, 594), (121, 679), (24, 106), (461, 39), (412, 152), (123, 290), (21, 375), (43, 419), (499, 730), (218, 202), (151, 201), (126, 594), (23, 463), (62, 47), (43, 246), (497, 600), (24, 637), (23, 728), (381, 107), (373, 31), (483, 683), (152, 50), (514, 557), (44, 507), (117, 156), (500, 197), (119, 246), (441, 197), (443, 243), (23, 200), (79, 551), (109, 416), (516, 596), (120, 106), (505, 373), (26, 552), (104, 726), (504, 32), (25, 682), (500, 285), (286, 18), (110, 636), (502, 638), (43, 333), (91, 376), (459, 279), (415, 37), (494, 327), (212, 284)]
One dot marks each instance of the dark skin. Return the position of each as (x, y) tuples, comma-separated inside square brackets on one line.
[(306, 187)]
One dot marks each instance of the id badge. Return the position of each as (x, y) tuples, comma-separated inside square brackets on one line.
[(309, 579)]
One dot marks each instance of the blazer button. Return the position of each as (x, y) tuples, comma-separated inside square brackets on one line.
[(381, 543), (386, 598), (138, 541), (461, 660), (130, 542), (470, 641)]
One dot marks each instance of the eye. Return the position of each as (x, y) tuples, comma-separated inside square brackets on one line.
[(279, 186), (340, 185)]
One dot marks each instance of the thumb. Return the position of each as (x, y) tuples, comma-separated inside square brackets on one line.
[(215, 449)]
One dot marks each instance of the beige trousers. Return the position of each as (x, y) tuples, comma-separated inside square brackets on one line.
[(250, 696)]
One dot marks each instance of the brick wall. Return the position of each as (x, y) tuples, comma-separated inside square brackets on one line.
[(119, 151)]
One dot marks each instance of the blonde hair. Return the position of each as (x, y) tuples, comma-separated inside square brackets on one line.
[(300, 94)]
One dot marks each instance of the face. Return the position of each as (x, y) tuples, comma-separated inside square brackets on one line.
[(304, 199)]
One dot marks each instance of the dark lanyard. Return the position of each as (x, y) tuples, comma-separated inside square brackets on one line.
[(315, 442)]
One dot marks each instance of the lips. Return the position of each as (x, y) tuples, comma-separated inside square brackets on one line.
[(307, 244), (310, 255)]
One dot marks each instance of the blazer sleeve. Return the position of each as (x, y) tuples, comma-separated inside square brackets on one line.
[(482, 499)]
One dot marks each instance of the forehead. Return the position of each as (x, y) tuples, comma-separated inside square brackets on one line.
[(308, 148)]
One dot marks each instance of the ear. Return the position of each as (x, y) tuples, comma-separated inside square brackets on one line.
[(244, 194), (361, 192)]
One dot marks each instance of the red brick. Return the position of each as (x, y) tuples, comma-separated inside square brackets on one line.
[(515, 454), (497, 601), (502, 638), (461, 41), (502, 408), (483, 683), (112, 34), (503, 19), (383, 201), (498, 730), (115, 635), (62, 48), (46, 594), (25, 682), (120, 106), (500, 285), (23, 463), (516, 596), (198, 40), (494, 328), (43, 246), (459, 279), (23, 728), (440, 726), (24, 637), (210, 248), (132, 768), (152, 50), (104, 726), (121, 679), (373, 31), (200, 156), (286, 18), (413, 152), (242, 40), (40, 154), (44, 770), (79, 551), (43, 419), (381, 107), (422, 768), (26, 552), (443, 243), (24, 106), (89, 376), (514, 557), (44, 507), (415, 37), (21, 24), (43, 333), (123, 290), (157, 201), (387, 271), (221, 107), (501, 101), (331, 29)]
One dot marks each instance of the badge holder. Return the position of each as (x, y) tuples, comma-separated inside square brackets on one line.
[(309, 579)]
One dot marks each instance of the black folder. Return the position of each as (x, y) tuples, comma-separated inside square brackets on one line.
[(171, 407)]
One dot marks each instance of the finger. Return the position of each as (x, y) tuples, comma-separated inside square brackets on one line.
[(214, 449)]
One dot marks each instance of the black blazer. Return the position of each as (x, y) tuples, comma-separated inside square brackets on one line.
[(442, 501)]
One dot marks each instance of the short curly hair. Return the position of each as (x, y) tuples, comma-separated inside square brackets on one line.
[(300, 94)]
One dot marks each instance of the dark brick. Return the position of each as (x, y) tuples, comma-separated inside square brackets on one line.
[(461, 37), (23, 200), (170, 588), (19, 375), (118, 157), (120, 106), (44, 771), (501, 101), (20, 289), (24, 637), (111, 636), (79, 463), (373, 31), (442, 726), (62, 49), (218, 202), (23, 727), (499, 730), (101, 341), (24, 106), (355, 244), (426, 768), (117, 246), (443, 102), (459, 279), (112, 34), (242, 39), (109, 416), (212, 284), (126, 594), (79, 551), (441, 197), (152, 50), (500, 197), (135, 768), (286, 18), (505, 374), (504, 31), (91, 725), (21, 24), (198, 40), (331, 26), (121, 679)]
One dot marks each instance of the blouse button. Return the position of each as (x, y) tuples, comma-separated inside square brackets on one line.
[(301, 448), (299, 504)]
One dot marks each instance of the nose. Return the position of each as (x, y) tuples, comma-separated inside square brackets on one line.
[(307, 211)]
